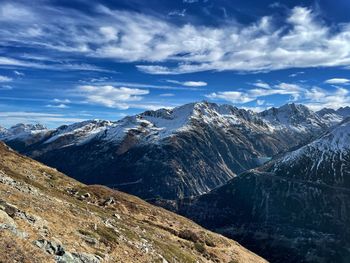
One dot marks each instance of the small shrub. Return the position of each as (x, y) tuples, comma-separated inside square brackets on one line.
[(200, 247), (107, 235), (209, 242), (188, 235)]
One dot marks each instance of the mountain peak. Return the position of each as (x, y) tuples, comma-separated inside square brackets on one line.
[(20, 127), (292, 115), (344, 111), (292, 108)]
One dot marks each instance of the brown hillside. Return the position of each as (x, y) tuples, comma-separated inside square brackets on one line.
[(46, 216)]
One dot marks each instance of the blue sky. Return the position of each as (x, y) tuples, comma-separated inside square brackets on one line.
[(66, 61)]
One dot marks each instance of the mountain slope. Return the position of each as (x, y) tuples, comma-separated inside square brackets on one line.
[(185, 151), (48, 217), (293, 209)]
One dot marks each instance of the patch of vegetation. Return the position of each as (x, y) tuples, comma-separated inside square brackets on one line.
[(200, 247), (88, 233), (171, 252), (209, 242), (189, 235), (107, 235)]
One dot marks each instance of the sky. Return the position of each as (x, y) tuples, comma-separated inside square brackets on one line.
[(64, 61)]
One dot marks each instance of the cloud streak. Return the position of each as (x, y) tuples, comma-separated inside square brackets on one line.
[(301, 40), (337, 81), (188, 83), (315, 98), (109, 96), (5, 79), (254, 94), (11, 118)]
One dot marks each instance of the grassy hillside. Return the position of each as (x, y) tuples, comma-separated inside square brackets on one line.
[(46, 216)]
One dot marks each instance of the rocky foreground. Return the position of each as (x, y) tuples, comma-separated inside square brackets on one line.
[(46, 216)]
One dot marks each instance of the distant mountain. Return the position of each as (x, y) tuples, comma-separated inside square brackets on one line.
[(171, 153), (46, 216), (295, 208), (334, 116), (23, 135), (295, 117), (344, 111)]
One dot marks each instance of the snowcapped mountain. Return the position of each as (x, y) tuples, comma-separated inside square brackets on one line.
[(23, 135), (184, 151), (77, 133), (293, 117), (332, 116), (295, 208), (325, 160), (344, 111)]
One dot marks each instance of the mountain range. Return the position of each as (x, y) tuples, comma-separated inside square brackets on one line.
[(277, 181), (171, 153)]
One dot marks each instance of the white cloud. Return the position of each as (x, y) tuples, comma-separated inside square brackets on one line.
[(109, 33), (256, 93), (303, 39), (109, 96), (337, 81), (318, 98), (18, 73), (314, 97), (178, 13), (58, 106), (15, 12), (12, 118), (5, 79), (13, 62), (65, 101), (167, 95), (232, 96), (261, 84), (189, 83), (296, 74), (260, 102)]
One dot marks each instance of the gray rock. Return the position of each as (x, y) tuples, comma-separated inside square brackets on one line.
[(7, 223), (11, 210), (109, 201), (62, 256), (66, 258), (50, 247), (86, 195), (6, 219), (78, 258)]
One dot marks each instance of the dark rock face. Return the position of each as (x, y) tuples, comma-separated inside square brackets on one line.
[(175, 153), (293, 209), (279, 219)]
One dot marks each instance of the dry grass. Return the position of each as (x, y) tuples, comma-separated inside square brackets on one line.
[(14, 249), (73, 220)]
